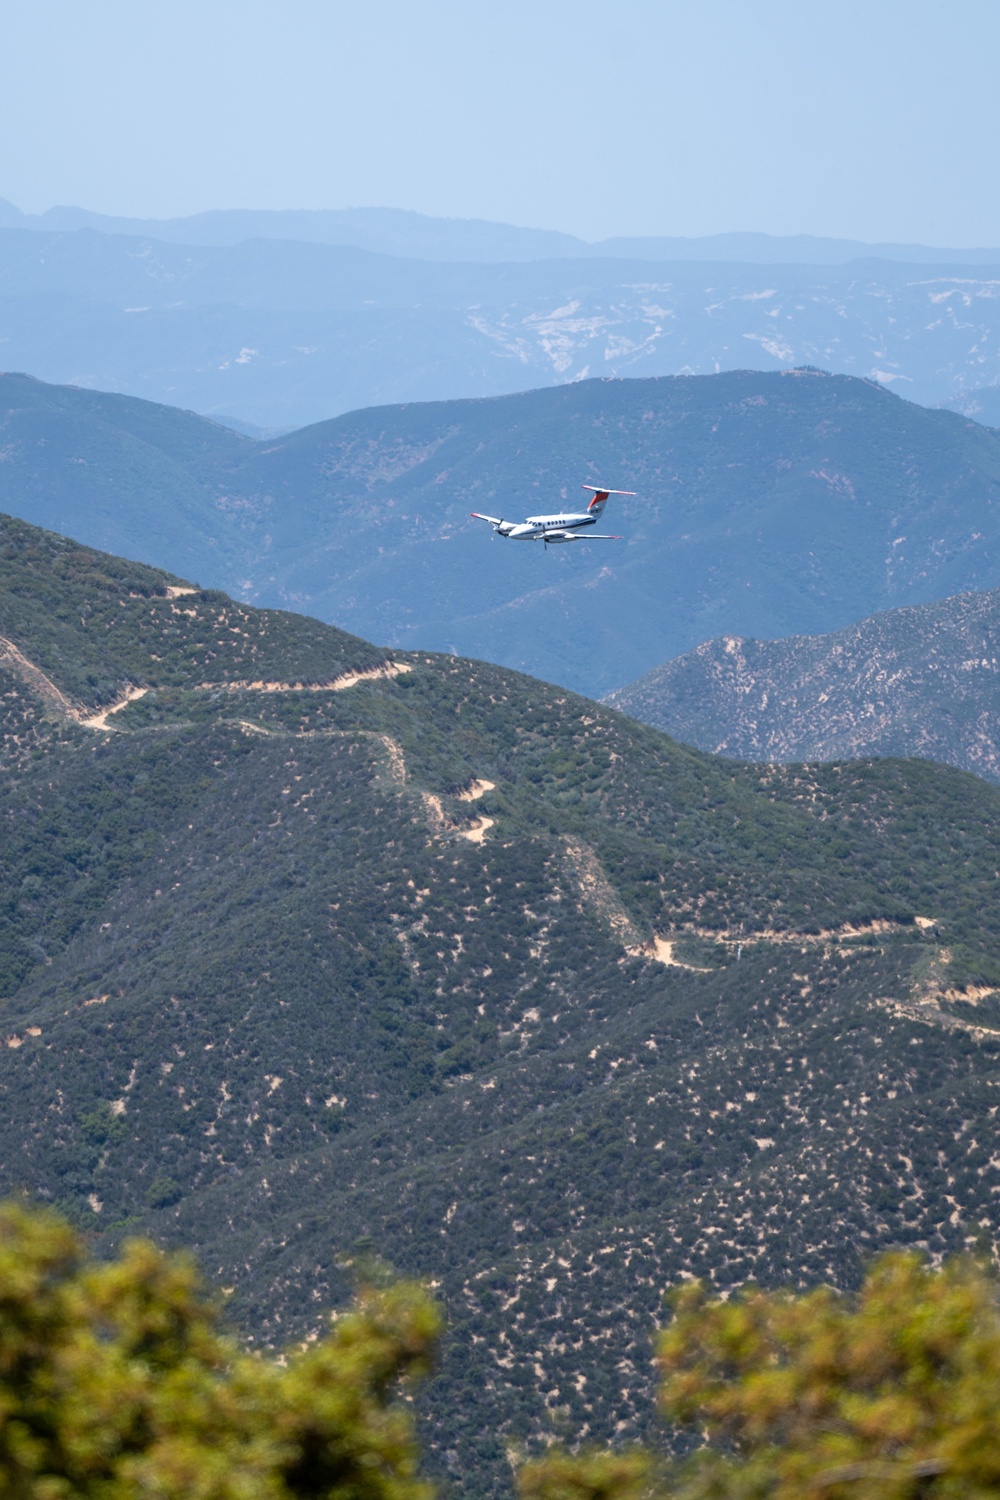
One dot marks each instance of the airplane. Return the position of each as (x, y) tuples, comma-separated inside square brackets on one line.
[(562, 528)]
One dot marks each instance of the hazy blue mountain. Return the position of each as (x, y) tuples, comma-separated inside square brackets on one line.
[(918, 681), (394, 231), (283, 333), (767, 505), (142, 476), (981, 403), (388, 231), (791, 249)]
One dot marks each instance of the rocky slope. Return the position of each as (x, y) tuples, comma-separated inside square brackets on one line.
[(920, 681)]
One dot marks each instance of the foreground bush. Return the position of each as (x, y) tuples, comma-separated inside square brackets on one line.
[(116, 1382), (893, 1394)]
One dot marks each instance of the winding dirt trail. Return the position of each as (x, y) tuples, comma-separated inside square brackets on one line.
[(55, 699), (335, 685)]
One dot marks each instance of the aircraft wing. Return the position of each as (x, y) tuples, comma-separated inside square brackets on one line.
[(551, 537), (493, 520)]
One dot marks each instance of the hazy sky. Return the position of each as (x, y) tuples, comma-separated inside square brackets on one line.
[(874, 120)]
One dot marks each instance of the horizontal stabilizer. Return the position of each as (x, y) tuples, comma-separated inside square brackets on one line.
[(598, 489)]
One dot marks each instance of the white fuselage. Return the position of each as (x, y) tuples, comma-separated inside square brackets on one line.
[(540, 528)]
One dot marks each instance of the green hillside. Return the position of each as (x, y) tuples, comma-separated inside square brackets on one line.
[(309, 949), (918, 681), (766, 505)]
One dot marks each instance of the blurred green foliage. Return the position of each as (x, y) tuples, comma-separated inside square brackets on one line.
[(889, 1394), (115, 1382)]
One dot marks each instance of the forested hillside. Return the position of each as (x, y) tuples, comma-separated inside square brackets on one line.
[(310, 948), (919, 681), (766, 505)]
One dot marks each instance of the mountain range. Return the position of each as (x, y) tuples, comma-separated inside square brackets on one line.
[(277, 333), (310, 949), (766, 505), (918, 681), (393, 231)]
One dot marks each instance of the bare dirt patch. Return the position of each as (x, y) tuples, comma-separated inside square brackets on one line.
[(477, 831), (441, 825), (100, 719), (475, 790), (662, 950)]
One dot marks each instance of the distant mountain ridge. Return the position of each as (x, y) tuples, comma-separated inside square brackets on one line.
[(918, 681), (766, 505), (393, 231), (278, 333)]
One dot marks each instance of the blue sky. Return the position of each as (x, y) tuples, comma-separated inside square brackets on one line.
[(875, 120)]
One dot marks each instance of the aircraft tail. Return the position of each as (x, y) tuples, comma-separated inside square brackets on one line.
[(600, 500)]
